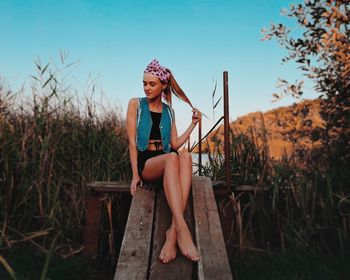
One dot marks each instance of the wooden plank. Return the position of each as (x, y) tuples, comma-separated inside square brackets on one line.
[(92, 225), (213, 263), (180, 268), (135, 248), (110, 186), (219, 185)]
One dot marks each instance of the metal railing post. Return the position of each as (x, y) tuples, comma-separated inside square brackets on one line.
[(200, 147), (226, 133)]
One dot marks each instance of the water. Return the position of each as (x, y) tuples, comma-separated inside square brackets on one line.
[(195, 157)]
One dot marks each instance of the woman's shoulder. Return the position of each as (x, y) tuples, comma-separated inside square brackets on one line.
[(170, 110), (134, 101), (166, 105)]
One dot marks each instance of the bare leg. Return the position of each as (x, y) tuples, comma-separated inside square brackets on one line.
[(168, 252), (169, 166)]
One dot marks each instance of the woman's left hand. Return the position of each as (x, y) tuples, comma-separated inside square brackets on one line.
[(196, 116)]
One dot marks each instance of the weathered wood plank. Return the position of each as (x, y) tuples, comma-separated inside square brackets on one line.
[(110, 186), (92, 225), (221, 185), (135, 249), (180, 268), (213, 261)]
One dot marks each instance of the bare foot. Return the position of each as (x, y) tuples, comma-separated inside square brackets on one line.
[(186, 245), (168, 252)]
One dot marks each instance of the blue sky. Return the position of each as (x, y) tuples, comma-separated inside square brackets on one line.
[(115, 40)]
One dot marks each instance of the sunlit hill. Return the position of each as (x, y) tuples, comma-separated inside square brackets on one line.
[(283, 129)]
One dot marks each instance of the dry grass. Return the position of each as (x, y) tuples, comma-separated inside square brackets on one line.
[(300, 200), (286, 128), (52, 144)]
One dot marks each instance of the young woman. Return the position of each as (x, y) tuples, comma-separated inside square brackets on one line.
[(153, 145)]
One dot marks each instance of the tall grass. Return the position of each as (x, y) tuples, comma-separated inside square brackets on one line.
[(51, 144), (301, 201)]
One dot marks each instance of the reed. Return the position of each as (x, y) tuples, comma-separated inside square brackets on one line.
[(301, 201), (51, 145)]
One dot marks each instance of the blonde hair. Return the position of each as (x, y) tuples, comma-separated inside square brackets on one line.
[(174, 88)]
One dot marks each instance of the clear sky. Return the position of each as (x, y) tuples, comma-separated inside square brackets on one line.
[(115, 40)]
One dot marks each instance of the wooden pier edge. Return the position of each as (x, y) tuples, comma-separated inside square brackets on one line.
[(149, 214), (213, 261), (136, 244)]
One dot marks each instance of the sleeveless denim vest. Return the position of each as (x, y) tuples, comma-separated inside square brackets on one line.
[(144, 124)]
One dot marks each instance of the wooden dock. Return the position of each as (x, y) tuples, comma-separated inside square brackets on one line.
[(149, 218)]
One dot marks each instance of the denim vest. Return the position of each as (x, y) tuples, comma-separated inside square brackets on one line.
[(144, 125)]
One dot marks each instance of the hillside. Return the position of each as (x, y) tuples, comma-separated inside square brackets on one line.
[(285, 128)]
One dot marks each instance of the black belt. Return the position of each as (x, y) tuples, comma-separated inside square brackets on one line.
[(157, 144)]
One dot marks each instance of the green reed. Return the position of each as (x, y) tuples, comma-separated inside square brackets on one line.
[(51, 145), (298, 201)]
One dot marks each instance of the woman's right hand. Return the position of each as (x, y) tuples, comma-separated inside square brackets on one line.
[(135, 183), (196, 116)]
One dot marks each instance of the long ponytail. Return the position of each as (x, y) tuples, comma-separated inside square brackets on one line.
[(174, 88)]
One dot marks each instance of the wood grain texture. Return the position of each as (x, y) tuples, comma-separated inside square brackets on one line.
[(180, 268), (109, 186), (213, 263), (92, 226), (135, 248)]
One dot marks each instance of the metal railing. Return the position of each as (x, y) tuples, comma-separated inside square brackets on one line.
[(225, 117)]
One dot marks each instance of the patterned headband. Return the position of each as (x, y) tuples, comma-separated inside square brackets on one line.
[(156, 69)]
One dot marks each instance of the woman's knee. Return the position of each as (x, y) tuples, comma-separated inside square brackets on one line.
[(185, 156), (172, 160)]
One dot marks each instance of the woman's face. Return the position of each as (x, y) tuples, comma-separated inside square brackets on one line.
[(152, 85)]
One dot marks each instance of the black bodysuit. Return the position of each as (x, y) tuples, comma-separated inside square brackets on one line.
[(143, 156), (155, 131)]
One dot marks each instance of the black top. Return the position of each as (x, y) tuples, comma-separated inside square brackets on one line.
[(155, 131)]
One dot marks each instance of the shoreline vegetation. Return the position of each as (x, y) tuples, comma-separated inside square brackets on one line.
[(51, 145), (286, 129), (298, 219)]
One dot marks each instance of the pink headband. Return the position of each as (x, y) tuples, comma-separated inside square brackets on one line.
[(156, 69)]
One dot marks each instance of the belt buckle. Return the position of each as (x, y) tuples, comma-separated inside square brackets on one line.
[(157, 144)]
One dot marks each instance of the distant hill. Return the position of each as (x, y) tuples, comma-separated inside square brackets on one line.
[(285, 128)]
